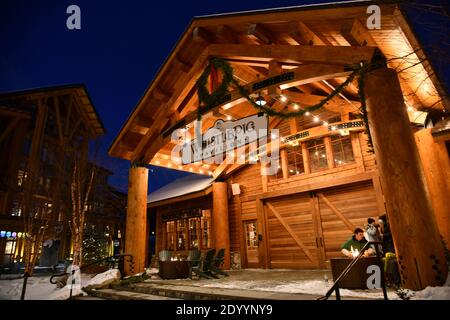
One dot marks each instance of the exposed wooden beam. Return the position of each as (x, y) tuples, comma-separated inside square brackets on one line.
[(226, 34), (9, 128), (357, 34), (301, 75), (58, 120), (313, 54), (202, 35), (182, 65), (302, 34), (260, 33), (166, 111)]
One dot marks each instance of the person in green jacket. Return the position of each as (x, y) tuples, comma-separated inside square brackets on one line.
[(356, 242)]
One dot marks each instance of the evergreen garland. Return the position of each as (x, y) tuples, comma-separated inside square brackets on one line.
[(208, 101)]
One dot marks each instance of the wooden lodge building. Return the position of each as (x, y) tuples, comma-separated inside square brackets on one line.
[(328, 181), (42, 131)]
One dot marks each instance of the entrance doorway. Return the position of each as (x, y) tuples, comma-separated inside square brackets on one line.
[(251, 243)]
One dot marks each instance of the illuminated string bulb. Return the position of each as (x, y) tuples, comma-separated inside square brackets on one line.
[(282, 139), (229, 118), (201, 171), (190, 169), (307, 113), (333, 128), (180, 167), (210, 173), (283, 98), (316, 119), (169, 165), (157, 162), (295, 106), (273, 135), (325, 123)]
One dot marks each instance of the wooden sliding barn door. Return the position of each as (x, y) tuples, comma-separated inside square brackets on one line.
[(306, 230), (292, 232), (343, 209)]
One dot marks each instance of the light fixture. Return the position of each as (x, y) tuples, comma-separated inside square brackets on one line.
[(273, 135), (260, 101), (229, 118)]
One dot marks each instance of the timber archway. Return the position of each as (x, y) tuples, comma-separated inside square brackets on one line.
[(295, 58)]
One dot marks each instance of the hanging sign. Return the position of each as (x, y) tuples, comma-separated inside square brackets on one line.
[(225, 136)]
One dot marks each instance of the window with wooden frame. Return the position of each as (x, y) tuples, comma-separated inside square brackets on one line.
[(317, 154), (194, 232), (170, 235), (206, 229), (295, 160), (181, 234), (342, 150)]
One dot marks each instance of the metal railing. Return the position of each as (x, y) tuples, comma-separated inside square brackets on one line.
[(335, 286)]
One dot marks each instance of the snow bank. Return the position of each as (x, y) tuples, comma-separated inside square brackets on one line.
[(103, 279), (434, 293), (39, 288)]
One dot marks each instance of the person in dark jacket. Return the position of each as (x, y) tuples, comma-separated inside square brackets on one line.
[(355, 244)]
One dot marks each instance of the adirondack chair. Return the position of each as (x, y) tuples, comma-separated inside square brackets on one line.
[(204, 267), (194, 258), (165, 255), (218, 261)]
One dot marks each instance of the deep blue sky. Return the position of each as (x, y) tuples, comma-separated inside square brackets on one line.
[(118, 51)]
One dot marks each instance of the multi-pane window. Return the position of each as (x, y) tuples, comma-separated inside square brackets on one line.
[(251, 236), (181, 234), (206, 225), (295, 160), (190, 233), (170, 235), (342, 150), (317, 154), (194, 226)]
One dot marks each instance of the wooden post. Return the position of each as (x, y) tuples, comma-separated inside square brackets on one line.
[(284, 163), (416, 237), (436, 165), (220, 220), (136, 224), (306, 162), (329, 152)]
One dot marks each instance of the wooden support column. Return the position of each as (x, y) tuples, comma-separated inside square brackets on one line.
[(305, 156), (329, 152), (136, 224), (284, 163), (419, 250), (436, 165), (220, 220)]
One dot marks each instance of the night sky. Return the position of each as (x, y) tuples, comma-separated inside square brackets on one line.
[(121, 46)]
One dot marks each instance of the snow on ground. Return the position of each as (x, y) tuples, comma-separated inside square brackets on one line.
[(38, 288), (313, 287), (434, 293)]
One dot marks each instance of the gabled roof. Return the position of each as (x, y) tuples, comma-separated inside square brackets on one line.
[(171, 96), (180, 187), (78, 90)]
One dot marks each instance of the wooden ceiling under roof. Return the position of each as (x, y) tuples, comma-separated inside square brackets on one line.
[(80, 98), (262, 43)]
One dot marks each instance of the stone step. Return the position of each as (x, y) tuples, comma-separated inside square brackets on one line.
[(113, 294), (190, 292)]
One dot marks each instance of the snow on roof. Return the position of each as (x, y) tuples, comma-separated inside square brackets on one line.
[(179, 187)]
